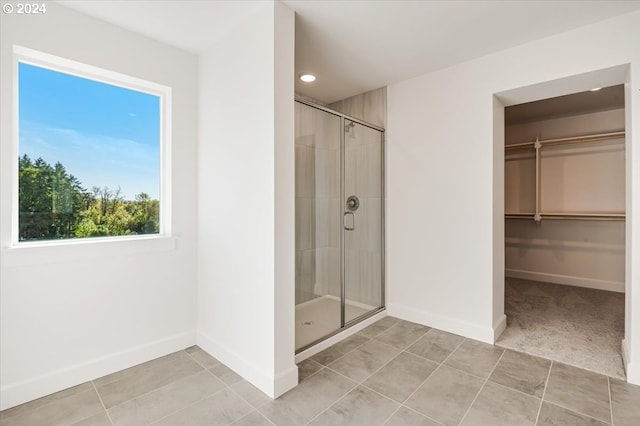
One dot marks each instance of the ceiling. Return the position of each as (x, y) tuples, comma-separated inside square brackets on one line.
[(607, 98), (353, 46)]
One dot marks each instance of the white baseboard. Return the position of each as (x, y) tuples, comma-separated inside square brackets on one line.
[(616, 286), (27, 390), (631, 368), (499, 327), (271, 385), (451, 325), (339, 337)]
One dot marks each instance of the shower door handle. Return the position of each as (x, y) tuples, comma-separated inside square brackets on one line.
[(353, 221)]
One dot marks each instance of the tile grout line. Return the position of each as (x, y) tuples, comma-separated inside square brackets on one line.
[(577, 412), (544, 391), (187, 407), (248, 414), (483, 386), (337, 400), (388, 362), (425, 380), (243, 398), (433, 372), (199, 363), (346, 353), (102, 403), (423, 415), (563, 406), (610, 399), (513, 389)]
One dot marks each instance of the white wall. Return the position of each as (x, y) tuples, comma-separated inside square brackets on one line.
[(574, 178), (445, 175), (246, 196), (71, 314)]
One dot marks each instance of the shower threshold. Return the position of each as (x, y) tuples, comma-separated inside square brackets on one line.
[(320, 317)]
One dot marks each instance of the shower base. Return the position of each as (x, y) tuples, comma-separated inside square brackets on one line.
[(321, 316)]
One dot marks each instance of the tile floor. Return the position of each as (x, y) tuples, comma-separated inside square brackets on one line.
[(393, 373)]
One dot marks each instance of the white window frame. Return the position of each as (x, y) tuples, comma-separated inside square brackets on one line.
[(78, 69)]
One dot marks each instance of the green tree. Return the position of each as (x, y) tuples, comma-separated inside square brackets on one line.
[(54, 204)]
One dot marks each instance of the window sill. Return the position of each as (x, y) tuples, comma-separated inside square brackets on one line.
[(33, 253)]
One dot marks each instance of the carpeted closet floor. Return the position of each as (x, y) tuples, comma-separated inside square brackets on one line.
[(574, 325)]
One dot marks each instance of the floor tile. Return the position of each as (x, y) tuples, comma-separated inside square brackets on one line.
[(361, 407), (365, 360), (388, 321), (203, 358), (526, 373), (308, 399), (446, 395), (403, 334), (254, 418), (225, 374), (579, 390), (136, 381), (436, 345), (40, 402), (306, 368), (377, 327), (407, 417), (475, 358), (497, 405), (334, 352), (65, 411), (100, 419), (625, 401), (221, 408), (552, 415), (250, 393), (402, 376), (165, 400)]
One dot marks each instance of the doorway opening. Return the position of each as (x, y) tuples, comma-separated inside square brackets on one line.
[(564, 204)]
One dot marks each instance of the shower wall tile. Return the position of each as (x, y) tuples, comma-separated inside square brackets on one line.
[(323, 271), (369, 106), (305, 223), (327, 130), (305, 171), (334, 272), (305, 270), (327, 173), (322, 222), (369, 170), (335, 221), (375, 107), (350, 170), (304, 120)]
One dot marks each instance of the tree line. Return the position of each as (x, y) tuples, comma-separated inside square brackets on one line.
[(53, 204)]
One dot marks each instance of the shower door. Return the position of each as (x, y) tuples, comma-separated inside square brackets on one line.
[(339, 235), (362, 202)]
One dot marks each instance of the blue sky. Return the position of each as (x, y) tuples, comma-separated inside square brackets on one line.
[(104, 135)]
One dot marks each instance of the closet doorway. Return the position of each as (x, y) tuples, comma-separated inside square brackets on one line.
[(565, 229)]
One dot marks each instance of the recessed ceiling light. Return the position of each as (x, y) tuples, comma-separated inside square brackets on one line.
[(308, 78), (595, 89)]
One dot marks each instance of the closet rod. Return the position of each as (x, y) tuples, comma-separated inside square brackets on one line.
[(567, 141), (615, 217)]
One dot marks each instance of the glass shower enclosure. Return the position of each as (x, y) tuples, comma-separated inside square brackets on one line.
[(339, 187)]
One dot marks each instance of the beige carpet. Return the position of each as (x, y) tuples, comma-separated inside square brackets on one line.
[(577, 326)]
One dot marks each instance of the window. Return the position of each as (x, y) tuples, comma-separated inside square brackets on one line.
[(90, 152)]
